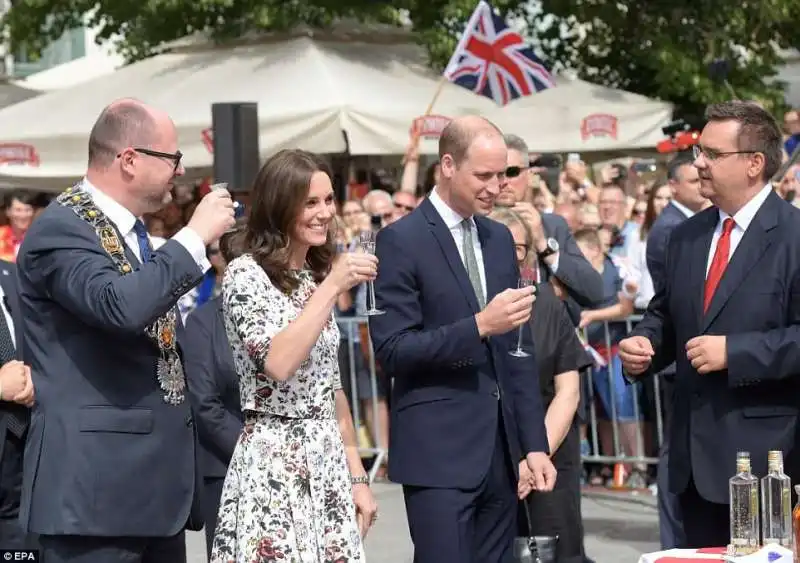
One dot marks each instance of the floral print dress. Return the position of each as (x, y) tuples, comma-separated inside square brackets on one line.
[(287, 494)]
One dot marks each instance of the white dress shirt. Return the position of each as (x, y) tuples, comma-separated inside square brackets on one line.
[(454, 223), (7, 313), (682, 208), (742, 220), (124, 221), (639, 274)]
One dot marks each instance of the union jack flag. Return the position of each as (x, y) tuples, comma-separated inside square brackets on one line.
[(494, 61)]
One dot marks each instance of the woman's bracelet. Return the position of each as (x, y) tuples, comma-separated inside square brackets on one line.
[(363, 480)]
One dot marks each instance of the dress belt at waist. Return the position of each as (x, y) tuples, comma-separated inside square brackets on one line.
[(254, 416)]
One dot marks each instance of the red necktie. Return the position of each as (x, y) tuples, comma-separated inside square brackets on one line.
[(719, 263)]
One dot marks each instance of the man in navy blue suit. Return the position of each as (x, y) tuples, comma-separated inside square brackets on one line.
[(728, 314), (109, 472), (464, 411), (684, 182), (213, 387)]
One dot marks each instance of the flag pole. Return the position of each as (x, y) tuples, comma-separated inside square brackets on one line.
[(439, 87), (471, 23)]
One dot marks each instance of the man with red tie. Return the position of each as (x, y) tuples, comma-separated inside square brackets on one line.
[(728, 314)]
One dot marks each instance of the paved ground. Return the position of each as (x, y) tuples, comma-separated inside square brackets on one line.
[(617, 531)]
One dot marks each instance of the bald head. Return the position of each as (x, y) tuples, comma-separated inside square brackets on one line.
[(459, 134), (123, 123)]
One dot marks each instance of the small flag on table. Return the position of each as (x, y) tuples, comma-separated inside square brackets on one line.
[(767, 554)]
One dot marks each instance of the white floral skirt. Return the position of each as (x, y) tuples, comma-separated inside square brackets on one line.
[(287, 496)]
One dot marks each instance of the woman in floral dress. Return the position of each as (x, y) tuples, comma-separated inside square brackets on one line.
[(295, 490)]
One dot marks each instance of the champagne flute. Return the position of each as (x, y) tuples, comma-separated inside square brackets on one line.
[(366, 243), (526, 280)]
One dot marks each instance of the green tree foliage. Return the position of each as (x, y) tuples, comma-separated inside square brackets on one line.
[(144, 24), (664, 48), (658, 48)]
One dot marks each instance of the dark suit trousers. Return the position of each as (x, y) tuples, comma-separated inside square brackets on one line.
[(212, 493), (91, 549), (558, 513), (705, 523), (12, 536), (467, 526), (670, 521)]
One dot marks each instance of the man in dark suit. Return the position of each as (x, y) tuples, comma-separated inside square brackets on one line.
[(558, 253), (464, 412), (684, 182), (16, 397), (109, 471), (213, 387), (728, 314)]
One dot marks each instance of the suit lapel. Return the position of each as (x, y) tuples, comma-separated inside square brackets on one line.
[(754, 244), (492, 258), (699, 259), (445, 240), (8, 281), (128, 252)]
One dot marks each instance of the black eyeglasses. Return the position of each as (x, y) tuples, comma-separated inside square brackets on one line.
[(712, 155), (514, 171), (175, 157)]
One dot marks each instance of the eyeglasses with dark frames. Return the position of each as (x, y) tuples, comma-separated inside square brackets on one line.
[(711, 155), (175, 157)]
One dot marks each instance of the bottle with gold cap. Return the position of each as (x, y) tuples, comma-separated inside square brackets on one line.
[(744, 513), (776, 503)]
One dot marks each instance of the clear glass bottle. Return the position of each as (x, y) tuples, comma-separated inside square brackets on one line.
[(776, 503), (744, 514)]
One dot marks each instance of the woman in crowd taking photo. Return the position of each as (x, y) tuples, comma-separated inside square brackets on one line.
[(559, 357), (296, 489)]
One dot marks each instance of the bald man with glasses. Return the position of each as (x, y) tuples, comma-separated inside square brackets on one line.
[(110, 470)]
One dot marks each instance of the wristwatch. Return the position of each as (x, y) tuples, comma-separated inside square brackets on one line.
[(550, 248)]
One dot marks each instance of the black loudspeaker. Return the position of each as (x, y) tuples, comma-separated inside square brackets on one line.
[(235, 133)]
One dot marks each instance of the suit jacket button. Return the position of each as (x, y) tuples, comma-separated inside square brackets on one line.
[(496, 394), (189, 421)]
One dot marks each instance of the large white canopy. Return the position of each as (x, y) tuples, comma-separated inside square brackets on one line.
[(578, 116), (326, 93)]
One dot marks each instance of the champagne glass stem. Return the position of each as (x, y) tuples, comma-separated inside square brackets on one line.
[(519, 339), (372, 295)]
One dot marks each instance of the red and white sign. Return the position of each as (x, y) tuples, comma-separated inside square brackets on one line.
[(599, 125), (18, 153), (429, 126)]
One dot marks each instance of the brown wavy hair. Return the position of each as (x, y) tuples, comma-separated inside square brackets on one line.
[(277, 199)]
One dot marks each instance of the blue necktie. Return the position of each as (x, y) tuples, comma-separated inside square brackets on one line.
[(144, 241)]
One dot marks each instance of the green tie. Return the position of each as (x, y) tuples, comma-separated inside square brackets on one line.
[(471, 263)]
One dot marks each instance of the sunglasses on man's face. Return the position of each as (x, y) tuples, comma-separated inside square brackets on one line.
[(514, 171)]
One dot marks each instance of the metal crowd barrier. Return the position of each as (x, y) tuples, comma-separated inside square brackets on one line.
[(352, 330), (620, 456)]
